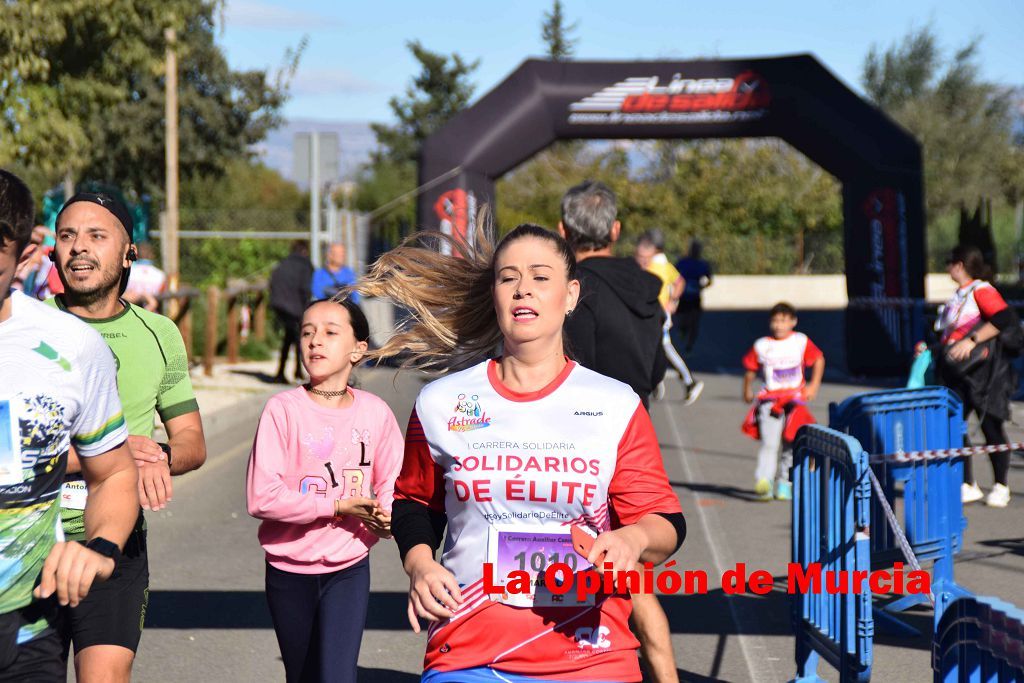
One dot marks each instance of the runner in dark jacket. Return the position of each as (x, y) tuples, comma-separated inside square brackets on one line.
[(289, 296), (618, 311)]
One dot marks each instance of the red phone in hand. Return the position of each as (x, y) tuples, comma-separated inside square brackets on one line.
[(583, 543)]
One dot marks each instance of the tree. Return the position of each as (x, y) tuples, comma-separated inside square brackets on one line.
[(555, 33), (82, 86), (438, 92), (963, 122)]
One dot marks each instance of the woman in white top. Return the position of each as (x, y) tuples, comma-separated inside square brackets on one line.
[(510, 454)]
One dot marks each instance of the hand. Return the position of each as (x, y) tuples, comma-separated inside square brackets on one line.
[(962, 349), (809, 393), (155, 488), (433, 592), (380, 525), (748, 395), (70, 569), (621, 547), (359, 507), (144, 449)]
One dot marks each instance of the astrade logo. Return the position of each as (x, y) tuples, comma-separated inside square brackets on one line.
[(641, 99), (469, 416)]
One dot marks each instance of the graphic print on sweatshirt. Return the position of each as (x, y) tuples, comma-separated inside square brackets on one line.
[(341, 468)]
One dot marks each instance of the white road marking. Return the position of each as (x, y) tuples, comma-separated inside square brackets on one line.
[(708, 519)]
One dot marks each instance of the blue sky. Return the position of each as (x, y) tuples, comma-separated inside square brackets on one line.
[(356, 59)]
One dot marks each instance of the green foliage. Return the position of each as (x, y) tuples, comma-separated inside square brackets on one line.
[(253, 349), (438, 92), (83, 91), (559, 46), (247, 197), (758, 206), (963, 123)]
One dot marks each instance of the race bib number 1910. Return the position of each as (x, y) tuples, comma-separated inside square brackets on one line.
[(10, 443)]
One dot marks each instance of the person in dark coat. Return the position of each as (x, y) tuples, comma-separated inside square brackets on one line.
[(289, 296), (616, 327), (979, 331), (616, 330)]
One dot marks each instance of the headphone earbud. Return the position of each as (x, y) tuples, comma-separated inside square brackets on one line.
[(52, 256), (133, 253)]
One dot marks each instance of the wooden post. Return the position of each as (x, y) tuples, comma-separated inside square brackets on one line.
[(185, 326), (170, 224), (259, 327), (233, 328), (210, 350)]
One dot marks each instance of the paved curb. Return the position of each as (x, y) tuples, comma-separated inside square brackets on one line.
[(223, 420)]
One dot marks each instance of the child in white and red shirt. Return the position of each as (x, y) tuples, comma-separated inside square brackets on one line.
[(781, 404), (321, 477)]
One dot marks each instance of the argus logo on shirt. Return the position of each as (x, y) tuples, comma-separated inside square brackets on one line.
[(469, 416)]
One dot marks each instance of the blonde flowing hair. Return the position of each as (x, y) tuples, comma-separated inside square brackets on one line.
[(447, 287)]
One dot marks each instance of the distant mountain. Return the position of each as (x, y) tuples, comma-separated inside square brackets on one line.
[(355, 139)]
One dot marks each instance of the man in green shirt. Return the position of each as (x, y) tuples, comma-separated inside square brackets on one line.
[(93, 255)]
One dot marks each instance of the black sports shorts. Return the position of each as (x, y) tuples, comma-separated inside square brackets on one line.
[(113, 612)]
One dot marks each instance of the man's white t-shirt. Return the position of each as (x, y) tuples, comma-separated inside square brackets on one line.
[(58, 387)]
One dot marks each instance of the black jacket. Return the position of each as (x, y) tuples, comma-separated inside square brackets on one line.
[(616, 327), (290, 285)]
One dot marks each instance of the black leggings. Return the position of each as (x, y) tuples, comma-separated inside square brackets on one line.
[(319, 620), (994, 431), (290, 326)]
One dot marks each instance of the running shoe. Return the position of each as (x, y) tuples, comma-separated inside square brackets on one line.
[(693, 393), (970, 493), (659, 391), (763, 489), (783, 490), (998, 497)]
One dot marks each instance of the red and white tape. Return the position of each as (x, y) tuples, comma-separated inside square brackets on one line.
[(916, 456)]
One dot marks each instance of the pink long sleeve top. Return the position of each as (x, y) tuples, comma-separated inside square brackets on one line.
[(305, 456)]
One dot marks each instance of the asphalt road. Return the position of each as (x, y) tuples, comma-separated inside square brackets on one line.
[(208, 620)]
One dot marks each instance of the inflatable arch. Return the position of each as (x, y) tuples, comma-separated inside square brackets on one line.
[(794, 98)]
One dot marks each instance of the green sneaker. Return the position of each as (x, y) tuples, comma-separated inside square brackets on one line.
[(783, 490), (763, 489)]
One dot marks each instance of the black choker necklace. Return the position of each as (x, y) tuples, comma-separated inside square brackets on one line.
[(326, 394)]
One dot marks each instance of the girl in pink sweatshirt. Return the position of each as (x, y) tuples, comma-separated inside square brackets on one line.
[(321, 477)]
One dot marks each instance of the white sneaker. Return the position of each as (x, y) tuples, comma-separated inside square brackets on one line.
[(693, 393), (970, 493), (998, 497), (659, 391)]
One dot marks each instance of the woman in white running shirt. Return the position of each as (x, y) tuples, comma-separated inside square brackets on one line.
[(510, 454)]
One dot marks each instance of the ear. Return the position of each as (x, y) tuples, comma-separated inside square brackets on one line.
[(27, 253), (358, 352), (561, 230), (616, 231), (573, 296)]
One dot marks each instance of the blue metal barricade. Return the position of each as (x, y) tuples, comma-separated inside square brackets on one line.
[(979, 640), (911, 420), (831, 513)]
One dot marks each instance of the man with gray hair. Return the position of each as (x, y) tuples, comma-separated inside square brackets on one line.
[(616, 330)]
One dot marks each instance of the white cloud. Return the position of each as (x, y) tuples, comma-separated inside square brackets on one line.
[(310, 81), (257, 14)]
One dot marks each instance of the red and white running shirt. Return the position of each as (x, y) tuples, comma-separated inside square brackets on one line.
[(782, 362), (974, 302), (580, 451)]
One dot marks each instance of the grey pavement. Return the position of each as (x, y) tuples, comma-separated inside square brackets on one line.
[(208, 621)]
